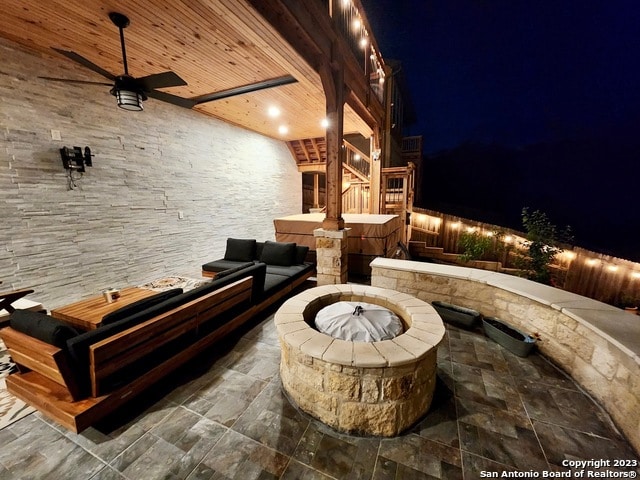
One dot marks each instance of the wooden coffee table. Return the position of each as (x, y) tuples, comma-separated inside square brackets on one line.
[(87, 314)]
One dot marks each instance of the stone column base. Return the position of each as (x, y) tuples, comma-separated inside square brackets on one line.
[(331, 255)]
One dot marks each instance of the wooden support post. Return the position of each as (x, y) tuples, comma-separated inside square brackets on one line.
[(332, 76), (375, 179), (332, 238)]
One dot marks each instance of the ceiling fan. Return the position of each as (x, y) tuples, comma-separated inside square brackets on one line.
[(129, 91)]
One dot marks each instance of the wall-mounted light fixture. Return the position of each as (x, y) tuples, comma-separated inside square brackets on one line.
[(74, 159)]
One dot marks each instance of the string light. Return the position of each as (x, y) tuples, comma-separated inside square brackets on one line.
[(363, 42), (455, 226), (591, 262), (612, 268), (635, 275)]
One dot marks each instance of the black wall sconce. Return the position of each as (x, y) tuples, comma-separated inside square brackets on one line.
[(74, 159)]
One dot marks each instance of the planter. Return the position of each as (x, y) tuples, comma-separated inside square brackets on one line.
[(509, 337), (457, 315)]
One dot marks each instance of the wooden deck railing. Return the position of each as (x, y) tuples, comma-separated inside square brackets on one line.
[(602, 277), (353, 24)]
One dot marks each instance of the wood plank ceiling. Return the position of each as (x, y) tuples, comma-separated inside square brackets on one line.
[(214, 45)]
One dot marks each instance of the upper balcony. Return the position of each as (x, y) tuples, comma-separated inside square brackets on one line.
[(351, 21)]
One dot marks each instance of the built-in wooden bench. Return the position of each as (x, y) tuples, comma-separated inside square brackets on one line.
[(46, 379), (596, 343)]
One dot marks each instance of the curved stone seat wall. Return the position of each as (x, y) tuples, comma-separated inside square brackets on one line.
[(596, 343), (378, 388)]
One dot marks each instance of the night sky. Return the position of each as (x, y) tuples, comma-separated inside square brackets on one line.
[(541, 98)]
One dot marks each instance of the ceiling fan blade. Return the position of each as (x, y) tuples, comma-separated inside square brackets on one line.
[(161, 80), (67, 80), (173, 99), (87, 63)]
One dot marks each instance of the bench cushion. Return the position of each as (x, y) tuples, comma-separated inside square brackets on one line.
[(240, 250), (235, 269), (274, 282), (279, 253), (43, 327), (221, 265), (292, 271), (139, 306)]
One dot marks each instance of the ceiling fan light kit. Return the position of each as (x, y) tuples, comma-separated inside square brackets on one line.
[(128, 100), (127, 93)]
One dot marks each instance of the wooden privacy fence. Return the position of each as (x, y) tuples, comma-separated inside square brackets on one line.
[(602, 277)]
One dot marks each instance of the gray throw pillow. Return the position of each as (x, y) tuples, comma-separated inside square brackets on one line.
[(301, 253), (279, 253), (240, 250)]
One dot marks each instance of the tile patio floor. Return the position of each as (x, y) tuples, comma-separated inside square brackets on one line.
[(228, 418)]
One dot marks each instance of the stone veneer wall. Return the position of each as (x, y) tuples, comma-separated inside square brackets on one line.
[(600, 363), (120, 226)]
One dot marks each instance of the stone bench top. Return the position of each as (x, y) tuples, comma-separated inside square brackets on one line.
[(425, 331), (617, 326)]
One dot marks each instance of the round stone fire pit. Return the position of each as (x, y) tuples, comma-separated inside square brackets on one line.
[(379, 388)]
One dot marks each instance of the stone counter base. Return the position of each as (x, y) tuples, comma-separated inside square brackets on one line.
[(378, 388), (594, 342)]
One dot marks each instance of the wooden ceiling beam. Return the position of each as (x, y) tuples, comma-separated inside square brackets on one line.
[(252, 87), (314, 143)]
